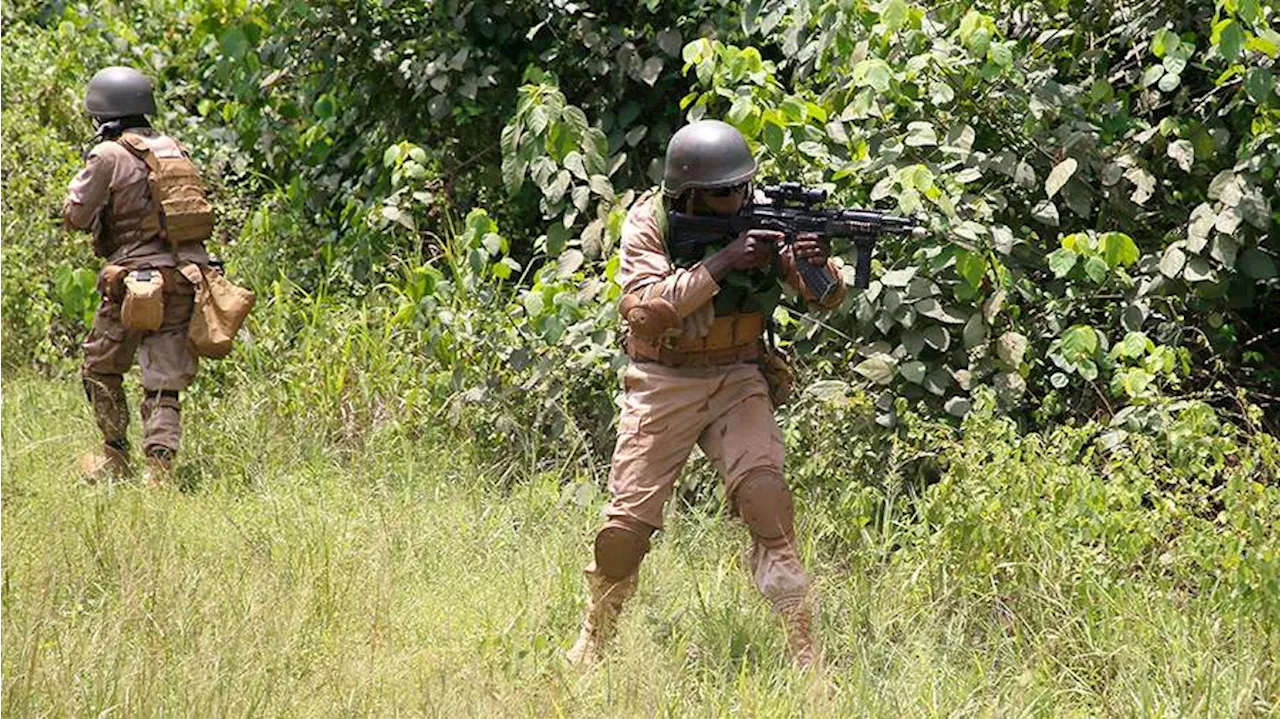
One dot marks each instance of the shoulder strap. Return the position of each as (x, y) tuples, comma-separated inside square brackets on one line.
[(659, 207), (137, 146)]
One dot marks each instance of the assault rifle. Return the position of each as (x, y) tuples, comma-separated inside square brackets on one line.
[(109, 130), (793, 210)]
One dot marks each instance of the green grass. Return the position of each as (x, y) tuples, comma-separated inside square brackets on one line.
[(397, 577)]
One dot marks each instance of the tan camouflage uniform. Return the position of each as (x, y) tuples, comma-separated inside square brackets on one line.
[(724, 408), (111, 198)]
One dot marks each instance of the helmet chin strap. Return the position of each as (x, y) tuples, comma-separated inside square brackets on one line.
[(110, 128)]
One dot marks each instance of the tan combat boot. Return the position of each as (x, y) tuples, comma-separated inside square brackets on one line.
[(600, 622), (797, 620), (158, 471), (111, 462)]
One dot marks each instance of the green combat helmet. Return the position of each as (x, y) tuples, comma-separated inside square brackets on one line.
[(119, 92), (706, 154)]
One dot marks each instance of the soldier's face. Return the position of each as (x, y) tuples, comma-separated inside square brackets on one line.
[(723, 200)]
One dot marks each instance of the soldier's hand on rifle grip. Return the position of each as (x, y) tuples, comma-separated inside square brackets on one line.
[(752, 250), (757, 248), (811, 247)]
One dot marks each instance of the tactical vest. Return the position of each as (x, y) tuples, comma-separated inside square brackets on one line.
[(740, 292), (179, 210)]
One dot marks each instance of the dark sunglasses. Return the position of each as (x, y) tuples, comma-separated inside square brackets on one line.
[(726, 191)]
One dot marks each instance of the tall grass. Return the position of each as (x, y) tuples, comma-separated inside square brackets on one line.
[(301, 576)]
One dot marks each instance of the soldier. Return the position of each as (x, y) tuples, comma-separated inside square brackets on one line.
[(144, 202), (695, 337)]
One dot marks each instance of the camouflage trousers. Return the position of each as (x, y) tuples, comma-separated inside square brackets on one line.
[(724, 410), (168, 365)]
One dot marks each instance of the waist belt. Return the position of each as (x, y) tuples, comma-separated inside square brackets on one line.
[(731, 339), (111, 281)]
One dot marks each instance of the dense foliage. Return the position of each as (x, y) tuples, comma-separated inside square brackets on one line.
[(1099, 185), (427, 199), (1035, 461)]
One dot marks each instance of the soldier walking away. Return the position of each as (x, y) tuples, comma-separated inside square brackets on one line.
[(701, 372), (145, 204)]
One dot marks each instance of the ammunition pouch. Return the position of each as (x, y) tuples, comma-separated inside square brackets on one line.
[(143, 306), (732, 339), (653, 320), (111, 283)]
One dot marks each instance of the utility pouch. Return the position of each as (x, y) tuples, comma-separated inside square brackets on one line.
[(111, 283), (143, 308), (779, 376), (776, 370), (221, 308)]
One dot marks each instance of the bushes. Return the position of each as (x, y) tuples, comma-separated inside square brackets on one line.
[(1057, 180), (1073, 369), (1091, 183), (46, 294)]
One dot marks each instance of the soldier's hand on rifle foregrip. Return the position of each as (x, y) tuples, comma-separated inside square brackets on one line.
[(811, 247)]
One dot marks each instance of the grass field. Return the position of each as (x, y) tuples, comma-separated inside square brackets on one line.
[(398, 577)]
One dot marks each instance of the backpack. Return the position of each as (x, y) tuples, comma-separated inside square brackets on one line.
[(176, 188)]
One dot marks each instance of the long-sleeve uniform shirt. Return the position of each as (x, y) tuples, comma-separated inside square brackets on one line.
[(111, 198), (647, 269), (724, 409)]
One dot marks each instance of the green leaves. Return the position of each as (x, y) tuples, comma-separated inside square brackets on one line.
[(921, 134), (1183, 153), (75, 291), (1095, 269), (1012, 348), (1172, 262), (873, 73), (1118, 249), (879, 368), (1257, 264), (1075, 351), (1095, 257), (602, 187), (893, 13), (1062, 261), (234, 43), (1229, 38), (553, 143), (1059, 176), (1163, 41), (976, 32), (971, 266), (1008, 148), (1260, 83)]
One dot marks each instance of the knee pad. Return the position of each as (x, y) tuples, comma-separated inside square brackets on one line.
[(620, 546), (764, 503), (651, 319)]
